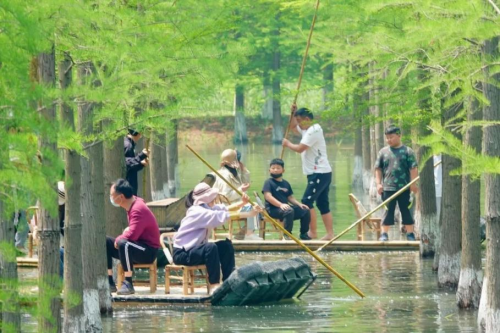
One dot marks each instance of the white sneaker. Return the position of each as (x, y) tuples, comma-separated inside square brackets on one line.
[(253, 237)]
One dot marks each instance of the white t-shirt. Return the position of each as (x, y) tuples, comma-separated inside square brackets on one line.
[(314, 158)]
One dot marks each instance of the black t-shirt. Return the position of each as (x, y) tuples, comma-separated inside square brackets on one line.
[(280, 190)]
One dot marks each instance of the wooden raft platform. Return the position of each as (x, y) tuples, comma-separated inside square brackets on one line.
[(143, 296), (283, 246)]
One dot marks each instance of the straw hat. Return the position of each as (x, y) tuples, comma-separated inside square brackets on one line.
[(204, 194), (229, 157)]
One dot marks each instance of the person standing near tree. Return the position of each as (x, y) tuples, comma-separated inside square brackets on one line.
[(315, 166), (395, 167), (133, 162)]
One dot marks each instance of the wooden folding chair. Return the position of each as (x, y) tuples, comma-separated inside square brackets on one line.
[(372, 222), (227, 231)]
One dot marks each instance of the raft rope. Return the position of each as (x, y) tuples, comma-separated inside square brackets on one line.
[(304, 59)]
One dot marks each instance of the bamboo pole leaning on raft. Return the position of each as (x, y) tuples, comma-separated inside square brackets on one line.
[(315, 256), (301, 73), (404, 188)]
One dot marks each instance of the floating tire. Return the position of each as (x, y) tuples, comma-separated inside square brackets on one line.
[(265, 282)]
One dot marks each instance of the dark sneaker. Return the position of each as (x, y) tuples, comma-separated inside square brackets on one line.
[(384, 237), (126, 289), (410, 236), (112, 288), (305, 236)]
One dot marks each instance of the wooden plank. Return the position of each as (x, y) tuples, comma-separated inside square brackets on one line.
[(336, 246), (27, 262)]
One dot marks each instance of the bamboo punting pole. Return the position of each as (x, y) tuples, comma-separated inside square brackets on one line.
[(392, 197), (308, 250), (299, 82)]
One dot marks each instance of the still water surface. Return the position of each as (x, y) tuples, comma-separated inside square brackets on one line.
[(401, 289)]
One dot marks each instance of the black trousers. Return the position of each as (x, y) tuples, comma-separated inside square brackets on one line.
[(403, 200), (216, 256), (288, 216), (129, 253)]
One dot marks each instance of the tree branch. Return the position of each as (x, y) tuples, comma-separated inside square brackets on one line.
[(494, 6)]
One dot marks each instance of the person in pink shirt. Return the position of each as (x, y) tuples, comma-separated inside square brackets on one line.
[(191, 246), (139, 242)]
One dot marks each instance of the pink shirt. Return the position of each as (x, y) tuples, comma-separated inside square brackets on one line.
[(142, 225), (196, 225)]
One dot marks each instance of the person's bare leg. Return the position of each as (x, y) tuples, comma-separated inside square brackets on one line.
[(313, 232), (409, 228), (328, 221), (385, 228)]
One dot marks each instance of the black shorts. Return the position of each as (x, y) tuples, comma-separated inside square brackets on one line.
[(318, 187)]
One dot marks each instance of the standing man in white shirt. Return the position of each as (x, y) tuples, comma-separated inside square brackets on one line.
[(315, 166)]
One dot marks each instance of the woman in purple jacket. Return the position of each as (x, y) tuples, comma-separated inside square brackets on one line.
[(191, 246)]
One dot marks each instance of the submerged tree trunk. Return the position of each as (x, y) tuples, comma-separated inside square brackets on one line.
[(240, 125), (451, 216), (426, 215), (267, 95), (277, 136), (357, 173), (114, 168), (173, 159), (328, 84), (490, 312), (156, 166), (73, 286), (471, 275), (366, 144), (10, 316), (93, 239)]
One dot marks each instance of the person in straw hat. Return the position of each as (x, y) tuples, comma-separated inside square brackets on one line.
[(191, 246), (238, 175)]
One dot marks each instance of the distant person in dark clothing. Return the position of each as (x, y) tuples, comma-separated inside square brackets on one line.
[(134, 162)]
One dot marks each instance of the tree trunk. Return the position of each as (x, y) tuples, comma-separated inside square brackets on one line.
[(156, 166), (357, 173), (426, 219), (277, 136), (114, 168), (164, 161), (10, 317), (240, 126), (366, 144), (491, 147), (471, 275), (451, 216), (267, 107), (173, 159), (48, 232), (328, 84), (73, 286), (93, 238)]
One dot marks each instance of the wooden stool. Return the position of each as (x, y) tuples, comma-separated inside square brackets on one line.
[(372, 222), (185, 276), (180, 275), (227, 231), (153, 276)]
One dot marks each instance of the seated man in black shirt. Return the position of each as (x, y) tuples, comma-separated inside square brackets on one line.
[(278, 194)]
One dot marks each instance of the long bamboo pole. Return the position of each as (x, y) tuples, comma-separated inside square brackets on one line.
[(308, 250), (392, 197), (302, 67)]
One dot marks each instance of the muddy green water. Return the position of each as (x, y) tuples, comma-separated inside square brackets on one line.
[(401, 289)]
